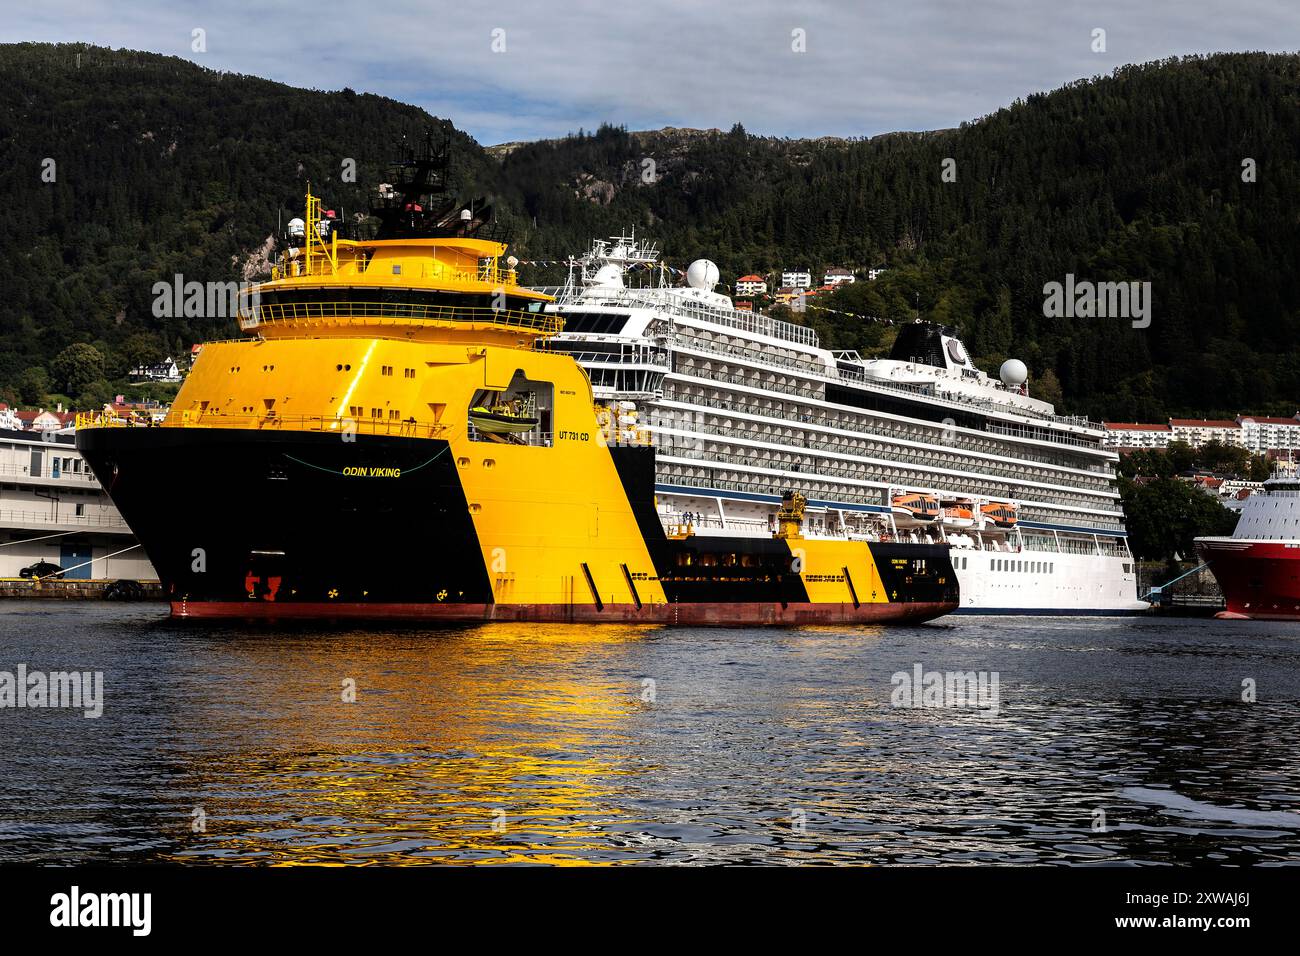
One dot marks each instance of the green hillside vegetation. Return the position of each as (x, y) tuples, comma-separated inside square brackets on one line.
[(164, 167)]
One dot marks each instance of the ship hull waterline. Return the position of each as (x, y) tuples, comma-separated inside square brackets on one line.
[(271, 525)]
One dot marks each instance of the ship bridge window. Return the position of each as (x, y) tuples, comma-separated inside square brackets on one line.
[(594, 323), (519, 414)]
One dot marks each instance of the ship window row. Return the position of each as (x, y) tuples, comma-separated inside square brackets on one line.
[(886, 428), (1023, 567), (939, 457), (863, 471)]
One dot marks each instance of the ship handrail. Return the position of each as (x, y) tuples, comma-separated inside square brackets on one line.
[(397, 313), (324, 268), (755, 322), (190, 418), (24, 471), (90, 521)]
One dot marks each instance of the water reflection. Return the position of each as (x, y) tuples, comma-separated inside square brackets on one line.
[(486, 744), (552, 744)]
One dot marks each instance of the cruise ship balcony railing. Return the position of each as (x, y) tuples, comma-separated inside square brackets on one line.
[(924, 459), (866, 473), (883, 430), (397, 313), (757, 357)]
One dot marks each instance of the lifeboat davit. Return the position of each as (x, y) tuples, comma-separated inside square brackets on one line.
[(915, 508), (1002, 515)]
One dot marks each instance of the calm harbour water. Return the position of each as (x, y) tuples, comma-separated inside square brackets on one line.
[(509, 743)]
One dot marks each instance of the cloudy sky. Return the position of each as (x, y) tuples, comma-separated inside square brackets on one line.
[(516, 69)]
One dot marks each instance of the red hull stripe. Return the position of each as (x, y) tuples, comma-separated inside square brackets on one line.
[(714, 615)]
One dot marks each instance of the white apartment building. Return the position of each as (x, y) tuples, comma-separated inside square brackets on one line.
[(797, 278), (1200, 431), (1134, 435), (1261, 434), (835, 277)]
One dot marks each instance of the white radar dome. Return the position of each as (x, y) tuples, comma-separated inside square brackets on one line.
[(297, 227), (1013, 372), (702, 274), (608, 275)]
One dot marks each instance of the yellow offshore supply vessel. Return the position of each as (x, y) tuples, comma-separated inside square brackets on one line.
[(388, 440)]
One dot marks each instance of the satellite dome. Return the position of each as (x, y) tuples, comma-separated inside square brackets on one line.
[(608, 275), (1013, 372), (702, 274), (297, 227)]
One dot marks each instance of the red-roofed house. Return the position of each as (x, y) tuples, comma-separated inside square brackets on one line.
[(1130, 435), (751, 285), (44, 421)]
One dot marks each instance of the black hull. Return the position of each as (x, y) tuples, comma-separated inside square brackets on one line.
[(244, 523)]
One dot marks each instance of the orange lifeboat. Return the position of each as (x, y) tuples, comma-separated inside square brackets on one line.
[(914, 507), (1002, 515), (958, 514)]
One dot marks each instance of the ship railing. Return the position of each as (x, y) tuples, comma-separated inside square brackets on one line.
[(12, 516), (883, 429), (105, 420), (343, 425), (323, 267), (22, 471), (397, 313), (488, 271), (928, 390), (688, 343), (821, 485), (629, 355), (655, 299), (870, 473), (927, 458), (533, 439)]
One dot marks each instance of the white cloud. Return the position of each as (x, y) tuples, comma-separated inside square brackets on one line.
[(869, 67)]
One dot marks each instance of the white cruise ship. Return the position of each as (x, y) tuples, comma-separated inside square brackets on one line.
[(921, 446)]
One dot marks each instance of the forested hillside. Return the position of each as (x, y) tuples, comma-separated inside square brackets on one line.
[(164, 167)]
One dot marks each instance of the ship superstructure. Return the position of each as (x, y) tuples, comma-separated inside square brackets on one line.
[(392, 438), (921, 446), (1258, 566)]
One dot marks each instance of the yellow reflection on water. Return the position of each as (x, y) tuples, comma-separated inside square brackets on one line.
[(484, 744)]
